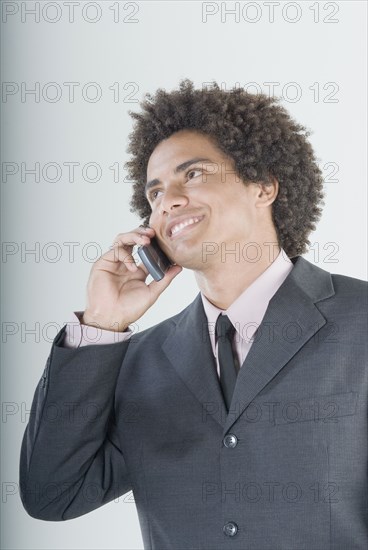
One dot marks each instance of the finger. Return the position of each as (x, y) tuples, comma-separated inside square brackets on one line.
[(126, 244), (146, 229), (120, 255), (130, 238), (117, 260), (157, 287), (143, 268)]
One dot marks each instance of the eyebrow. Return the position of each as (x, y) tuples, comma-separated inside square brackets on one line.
[(177, 170)]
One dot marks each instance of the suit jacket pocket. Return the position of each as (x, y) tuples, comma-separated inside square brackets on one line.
[(322, 408)]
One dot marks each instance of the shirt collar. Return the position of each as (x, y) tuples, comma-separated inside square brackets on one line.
[(247, 311)]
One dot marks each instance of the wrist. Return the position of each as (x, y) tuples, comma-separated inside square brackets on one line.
[(102, 323)]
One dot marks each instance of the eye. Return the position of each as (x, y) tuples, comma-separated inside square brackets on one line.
[(193, 171), (153, 194)]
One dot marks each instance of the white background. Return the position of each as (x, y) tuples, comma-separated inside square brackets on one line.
[(309, 47)]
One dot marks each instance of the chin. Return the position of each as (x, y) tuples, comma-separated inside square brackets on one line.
[(189, 261), (179, 256), (189, 252)]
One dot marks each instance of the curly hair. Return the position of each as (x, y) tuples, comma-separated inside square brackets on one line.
[(257, 133)]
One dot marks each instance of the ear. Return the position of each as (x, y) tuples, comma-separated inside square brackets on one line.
[(267, 192)]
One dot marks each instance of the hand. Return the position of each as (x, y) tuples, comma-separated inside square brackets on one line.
[(117, 294)]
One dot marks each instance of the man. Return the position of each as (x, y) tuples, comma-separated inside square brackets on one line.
[(241, 422)]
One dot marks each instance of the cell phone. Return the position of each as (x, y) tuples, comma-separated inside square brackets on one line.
[(154, 259)]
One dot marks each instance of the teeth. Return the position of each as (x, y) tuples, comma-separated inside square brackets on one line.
[(180, 226)]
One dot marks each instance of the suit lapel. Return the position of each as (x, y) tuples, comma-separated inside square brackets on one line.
[(188, 347), (290, 321)]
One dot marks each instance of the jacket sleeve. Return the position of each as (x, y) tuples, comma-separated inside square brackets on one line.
[(71, 461)]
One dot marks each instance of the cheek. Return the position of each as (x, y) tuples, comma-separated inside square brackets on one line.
[(153, 220)]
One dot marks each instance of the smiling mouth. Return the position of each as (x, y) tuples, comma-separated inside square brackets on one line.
[(187, 223)]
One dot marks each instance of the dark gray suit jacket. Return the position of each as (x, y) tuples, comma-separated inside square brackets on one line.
[(285, 469)]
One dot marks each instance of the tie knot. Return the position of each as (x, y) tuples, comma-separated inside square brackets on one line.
[(224, 327)]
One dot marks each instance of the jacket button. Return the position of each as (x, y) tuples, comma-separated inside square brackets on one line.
[(230, 529), (230, 441)]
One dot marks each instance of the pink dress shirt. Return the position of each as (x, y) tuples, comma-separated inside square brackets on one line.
[(247, 311), (246, 314)]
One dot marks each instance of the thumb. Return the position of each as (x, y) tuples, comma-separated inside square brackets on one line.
[(157, 287)]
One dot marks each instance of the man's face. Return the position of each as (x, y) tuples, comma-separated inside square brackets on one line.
[(198, 202)]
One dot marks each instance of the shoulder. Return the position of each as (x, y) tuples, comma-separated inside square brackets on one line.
[(349, 303), (322, 286), (351, 290), (345, 283), (159, 332)]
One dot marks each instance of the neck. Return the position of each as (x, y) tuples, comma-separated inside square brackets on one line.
[(223, 281)]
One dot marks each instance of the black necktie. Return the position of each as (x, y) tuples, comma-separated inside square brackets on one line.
[(228, 372)]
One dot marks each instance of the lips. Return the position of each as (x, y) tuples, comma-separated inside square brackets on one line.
[(178, 225)]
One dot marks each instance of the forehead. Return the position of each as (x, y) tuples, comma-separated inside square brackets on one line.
[(180, 147)]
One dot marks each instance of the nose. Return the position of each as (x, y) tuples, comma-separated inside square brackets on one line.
[(172, 198)]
